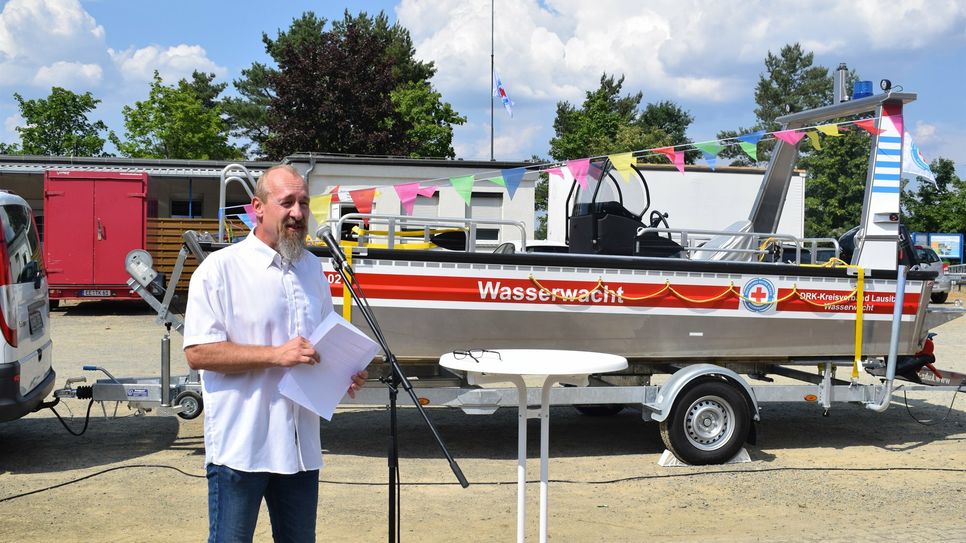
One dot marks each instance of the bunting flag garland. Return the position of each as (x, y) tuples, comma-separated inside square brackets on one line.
[(869, 126), (512, 178), (791, 137), (246, 218), (829, 129), (498, 180), (622, 163), (362, 199), (578, 168), (407, 196), (464, 186), (319, 206), (676, 157), (710, 151), (814, 139), (749, 143)]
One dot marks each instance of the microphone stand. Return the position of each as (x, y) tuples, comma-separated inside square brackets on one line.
[(396, 379)]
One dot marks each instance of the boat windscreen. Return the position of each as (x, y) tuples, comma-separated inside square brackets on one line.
[(612, 187)]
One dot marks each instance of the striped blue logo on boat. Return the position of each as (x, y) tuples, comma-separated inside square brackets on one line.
[(758, 295)]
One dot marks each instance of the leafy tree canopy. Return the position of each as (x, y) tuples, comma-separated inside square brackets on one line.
[(179, 121), (938, 206), (610, 123), (835, 184), (355, 87), (789, 84), (58, 125)]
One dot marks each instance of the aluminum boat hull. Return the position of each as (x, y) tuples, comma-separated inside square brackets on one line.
[(429, 303)]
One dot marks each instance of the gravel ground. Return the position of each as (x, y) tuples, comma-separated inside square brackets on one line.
[(854, 475)]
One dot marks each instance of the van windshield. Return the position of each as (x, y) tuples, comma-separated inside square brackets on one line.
[(22, 243)]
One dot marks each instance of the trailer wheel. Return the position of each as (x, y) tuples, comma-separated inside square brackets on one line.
[(191, 404), (708, 424)]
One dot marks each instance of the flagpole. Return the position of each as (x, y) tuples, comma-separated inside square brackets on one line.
[(492, 82)]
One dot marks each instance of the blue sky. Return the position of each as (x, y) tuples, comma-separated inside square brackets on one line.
[(706, 56)]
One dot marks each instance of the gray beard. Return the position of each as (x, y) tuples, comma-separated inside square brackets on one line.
[(292, 248)]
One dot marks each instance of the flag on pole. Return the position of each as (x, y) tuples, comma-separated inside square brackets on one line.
[(913, 163), (500, 91)]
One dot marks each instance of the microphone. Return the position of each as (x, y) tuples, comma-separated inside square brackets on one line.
[(335, 251)]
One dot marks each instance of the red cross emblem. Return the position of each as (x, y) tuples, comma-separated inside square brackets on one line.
[(758, 295)]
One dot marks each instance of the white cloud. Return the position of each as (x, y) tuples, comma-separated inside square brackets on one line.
[(11, 123), (924, 133), (69, 74), (46, 30), (672, 48), (172, 63)]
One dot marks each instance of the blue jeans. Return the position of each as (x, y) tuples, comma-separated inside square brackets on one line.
[(234, 498)]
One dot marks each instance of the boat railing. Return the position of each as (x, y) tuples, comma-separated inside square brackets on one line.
[(396, 231), (239, 174), (746, 246)]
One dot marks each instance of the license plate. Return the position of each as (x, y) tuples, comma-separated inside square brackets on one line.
[(36, 322), (102, 293)]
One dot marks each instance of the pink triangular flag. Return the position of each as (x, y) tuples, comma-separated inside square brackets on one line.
[(869, 126), (578, 168), (676, 157), (250, 211), (791, 137), (427, 192), (407, 196)]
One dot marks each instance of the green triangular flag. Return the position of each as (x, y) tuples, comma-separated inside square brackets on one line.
[(464, 186), (711, 147), (498, 180), (750, 149)]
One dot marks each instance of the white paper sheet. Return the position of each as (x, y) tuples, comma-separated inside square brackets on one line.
[(344, 351)]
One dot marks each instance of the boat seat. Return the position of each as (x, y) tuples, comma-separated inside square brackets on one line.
[(505, 248), (721, 247)]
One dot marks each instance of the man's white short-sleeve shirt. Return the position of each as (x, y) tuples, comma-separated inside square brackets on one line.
[(247, 294)]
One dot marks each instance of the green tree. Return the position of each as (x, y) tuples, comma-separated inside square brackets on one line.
[(354, 88), (9, 149), (835, 183), (248, 114), (790, 84), (938, 206), (58, 125), (174, 122), (610, 123), (428, 118)]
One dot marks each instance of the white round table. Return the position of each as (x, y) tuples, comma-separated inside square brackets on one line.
[(512, 365)]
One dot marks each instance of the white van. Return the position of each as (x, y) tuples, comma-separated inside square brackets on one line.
[(26, 375)]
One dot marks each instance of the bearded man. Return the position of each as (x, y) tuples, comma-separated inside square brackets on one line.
[(250, 308)]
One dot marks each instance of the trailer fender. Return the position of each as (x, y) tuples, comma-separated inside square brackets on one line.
[(661, 407)]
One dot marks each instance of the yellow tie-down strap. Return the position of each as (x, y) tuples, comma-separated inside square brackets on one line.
[(346, 295)]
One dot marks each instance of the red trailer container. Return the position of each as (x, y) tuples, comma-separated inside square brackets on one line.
[(91, 221)]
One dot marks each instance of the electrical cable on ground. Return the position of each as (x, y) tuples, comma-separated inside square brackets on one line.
[(504, 483)]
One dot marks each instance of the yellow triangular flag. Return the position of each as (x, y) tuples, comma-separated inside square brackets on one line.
[(816, 141), (622, 163), (829, 129), (319, 206)]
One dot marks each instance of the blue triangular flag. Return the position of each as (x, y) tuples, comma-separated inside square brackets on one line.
[(753, 137), (513, 176)]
